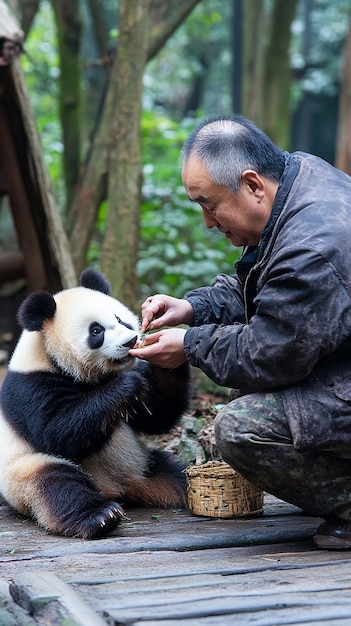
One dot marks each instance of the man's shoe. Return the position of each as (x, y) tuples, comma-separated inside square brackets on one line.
[(333, 534)]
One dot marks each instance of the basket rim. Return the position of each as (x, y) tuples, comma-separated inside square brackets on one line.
[(214, 468)]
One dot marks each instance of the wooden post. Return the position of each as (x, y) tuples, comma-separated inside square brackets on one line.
[(25, 228)]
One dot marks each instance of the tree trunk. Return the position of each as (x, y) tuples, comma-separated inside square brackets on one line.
[(254, 42), (91, 188), (92, 184), (165, 18), (343, 146), (195, 97), (28, 10), (237, 54), (277, 75), (69, 31), (119, 254), (100, 26)]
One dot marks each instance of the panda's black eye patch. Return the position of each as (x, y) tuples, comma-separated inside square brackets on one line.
[(96, 335), (124, 323)]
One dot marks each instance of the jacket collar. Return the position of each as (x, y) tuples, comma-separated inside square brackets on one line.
[(292, 166), (252, 254)]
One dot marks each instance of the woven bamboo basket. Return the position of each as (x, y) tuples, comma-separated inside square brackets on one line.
[(216, 490)]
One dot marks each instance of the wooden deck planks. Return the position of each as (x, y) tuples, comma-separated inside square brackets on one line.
[(163, 568), (290, 586)]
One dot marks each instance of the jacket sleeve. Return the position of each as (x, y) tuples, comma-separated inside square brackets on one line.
[(223, 303), (301, 315)]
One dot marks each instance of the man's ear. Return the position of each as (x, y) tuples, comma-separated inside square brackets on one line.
[(253, 181)]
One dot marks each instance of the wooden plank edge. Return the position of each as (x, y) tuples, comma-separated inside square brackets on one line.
[(10, 613), (44, 593)]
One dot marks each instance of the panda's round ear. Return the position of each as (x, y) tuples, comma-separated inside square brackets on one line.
[(92, 279), (35, 309)]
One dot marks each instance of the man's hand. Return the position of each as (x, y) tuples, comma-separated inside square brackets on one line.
[(161, 310), (165, 348)]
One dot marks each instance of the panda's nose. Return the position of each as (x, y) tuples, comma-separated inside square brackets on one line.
[(131, 343)]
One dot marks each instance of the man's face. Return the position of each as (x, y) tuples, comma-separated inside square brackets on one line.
[(242, 216)]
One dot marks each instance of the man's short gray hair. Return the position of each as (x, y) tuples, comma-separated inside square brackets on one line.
[(228, 146)]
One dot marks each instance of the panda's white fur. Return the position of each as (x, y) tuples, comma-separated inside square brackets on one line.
[(72, 406)]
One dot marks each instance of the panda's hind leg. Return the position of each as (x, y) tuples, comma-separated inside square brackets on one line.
[(163, 483), (58, 494), (69, 503)]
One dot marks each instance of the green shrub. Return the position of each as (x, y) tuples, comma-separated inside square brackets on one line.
[(176, 251)]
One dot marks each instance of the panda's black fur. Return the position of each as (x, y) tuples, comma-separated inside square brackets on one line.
[(72, 406)]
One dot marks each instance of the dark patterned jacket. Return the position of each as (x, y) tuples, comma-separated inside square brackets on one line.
[(284, 319)]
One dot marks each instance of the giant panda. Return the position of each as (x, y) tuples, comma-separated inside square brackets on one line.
[(73, 406)]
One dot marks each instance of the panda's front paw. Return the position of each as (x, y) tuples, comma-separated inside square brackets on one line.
[(105, 521), (99, 522), (134, 384)]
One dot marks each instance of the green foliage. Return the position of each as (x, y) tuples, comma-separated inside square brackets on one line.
[(198, 53), (317, 57), (176, 252)]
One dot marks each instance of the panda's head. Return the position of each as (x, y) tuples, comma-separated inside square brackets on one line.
[(83, 331)]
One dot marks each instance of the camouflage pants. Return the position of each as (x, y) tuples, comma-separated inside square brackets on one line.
[(253, 436)]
